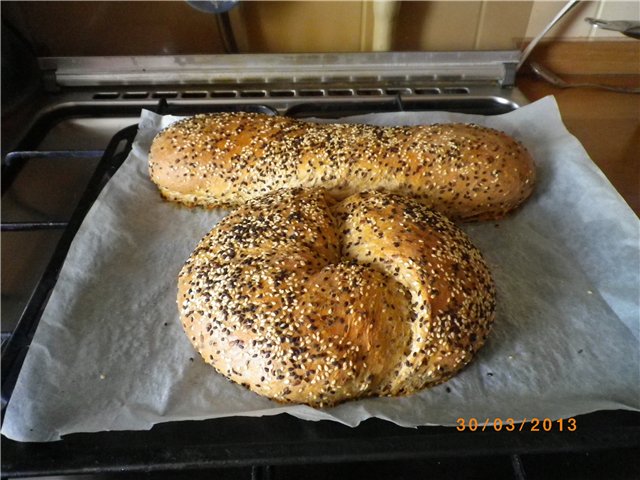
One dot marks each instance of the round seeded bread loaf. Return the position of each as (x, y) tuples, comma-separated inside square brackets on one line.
[(305, 299)]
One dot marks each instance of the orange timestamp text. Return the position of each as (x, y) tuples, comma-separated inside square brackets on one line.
[(534, 424)]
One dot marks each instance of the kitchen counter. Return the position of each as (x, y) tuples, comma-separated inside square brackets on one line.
[(606, 123)]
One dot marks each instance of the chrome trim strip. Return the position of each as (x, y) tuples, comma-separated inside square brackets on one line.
[(324, 68)]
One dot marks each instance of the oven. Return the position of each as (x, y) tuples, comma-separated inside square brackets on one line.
[(71, 133)]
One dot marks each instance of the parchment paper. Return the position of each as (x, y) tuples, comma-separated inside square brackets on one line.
[(110, 354)]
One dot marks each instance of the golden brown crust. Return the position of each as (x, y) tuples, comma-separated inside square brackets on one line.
[(306, 300), (465, 171)]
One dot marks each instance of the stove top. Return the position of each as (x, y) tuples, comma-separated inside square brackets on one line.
[(60, 150)]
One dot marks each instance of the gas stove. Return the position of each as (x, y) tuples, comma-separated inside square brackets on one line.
[(61, 148)]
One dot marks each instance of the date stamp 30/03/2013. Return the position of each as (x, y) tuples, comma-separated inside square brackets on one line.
[(534, 424)]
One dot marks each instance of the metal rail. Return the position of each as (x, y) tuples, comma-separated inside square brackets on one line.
[(325, 68)]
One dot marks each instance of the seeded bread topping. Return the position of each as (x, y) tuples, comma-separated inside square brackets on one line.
[(462, 170), (305, 299)]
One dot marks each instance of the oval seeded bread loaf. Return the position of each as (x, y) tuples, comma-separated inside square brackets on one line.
[(464, 171)]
